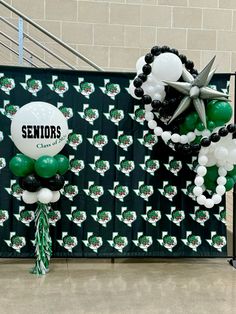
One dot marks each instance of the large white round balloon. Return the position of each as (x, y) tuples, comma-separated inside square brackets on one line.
[(39, 128), (167, 67), (139, 64)]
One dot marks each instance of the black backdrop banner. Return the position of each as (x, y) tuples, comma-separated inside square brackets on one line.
[(124, 196)]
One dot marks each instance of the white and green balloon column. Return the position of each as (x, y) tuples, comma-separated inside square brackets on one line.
[(190, 117), (39, 130)]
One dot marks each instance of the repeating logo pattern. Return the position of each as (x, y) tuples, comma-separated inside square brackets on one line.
[(125, 194)]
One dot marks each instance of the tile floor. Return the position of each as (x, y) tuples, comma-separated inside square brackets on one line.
[(129, 286)]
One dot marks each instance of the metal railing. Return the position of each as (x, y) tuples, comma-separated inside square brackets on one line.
[(16, 53), (38, 44), (27, 50), (50, 35)]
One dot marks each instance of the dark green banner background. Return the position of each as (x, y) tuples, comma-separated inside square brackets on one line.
[(124, 196)]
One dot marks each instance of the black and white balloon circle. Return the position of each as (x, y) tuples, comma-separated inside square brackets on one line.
[(168, 85)]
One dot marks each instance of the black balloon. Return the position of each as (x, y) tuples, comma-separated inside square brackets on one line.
[(165, 49), (189, 64), (146, 99), (231, 128), (187, 149), (54, 183), (183, 58), (138, 92), (156, 104), (179, 147), (205, 142), (147, 69), (149, 58), (138, 82), (195, 148), (215, 137), (156, 50), (223, 132), (142, 76), (30, 183), (175, 51)]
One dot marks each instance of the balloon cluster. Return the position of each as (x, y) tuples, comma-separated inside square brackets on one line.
[(39, 130), (190, 117), (42, 179)]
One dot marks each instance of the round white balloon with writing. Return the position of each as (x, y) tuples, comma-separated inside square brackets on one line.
[(39, 128)]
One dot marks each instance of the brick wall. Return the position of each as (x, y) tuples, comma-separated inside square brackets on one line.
[(115, 33)]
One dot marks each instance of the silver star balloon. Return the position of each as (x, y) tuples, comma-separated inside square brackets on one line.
[(195, 91)]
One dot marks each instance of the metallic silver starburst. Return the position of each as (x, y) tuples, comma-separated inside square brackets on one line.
[(195, 91)]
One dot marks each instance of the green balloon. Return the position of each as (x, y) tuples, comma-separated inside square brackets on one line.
[(212, 173), (183, 129), (232, 172), (219, 123), (200, 126), (211, 125), (209, 184), (234, 178), (21, 165), (229, 183), (197, 139), (46, 166), (219, 111), (191, 120), (63, 163)]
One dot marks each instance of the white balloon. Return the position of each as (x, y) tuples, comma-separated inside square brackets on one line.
[(221, 153), (211, 160), (166, 136), (191, 136), (29, 197), (199, 181), (202, 160), (175, 137), (55, 197), (183, 139), (197, 191), (232, 156), (216, 198), (209, 203), (221, 180), (157, 96), (201, 199), (131, 90), (206, 133), (139, 64), (158, 131), (201, 171), (220, 189), (152, 124), (39, 128), (229, 166), (167, 66), (222, 171), (45, 196), (148, 108), (149, 116)]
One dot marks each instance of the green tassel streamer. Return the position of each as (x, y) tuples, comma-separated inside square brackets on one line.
[(43, 242)]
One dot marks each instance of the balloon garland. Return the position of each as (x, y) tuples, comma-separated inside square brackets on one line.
[(40, 175), (169, 95)]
